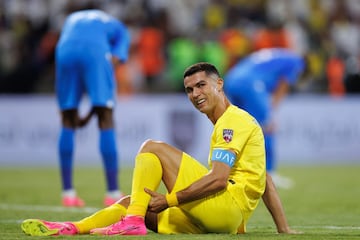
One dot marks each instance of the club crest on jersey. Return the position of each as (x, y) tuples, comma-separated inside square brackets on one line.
[(228, 135)]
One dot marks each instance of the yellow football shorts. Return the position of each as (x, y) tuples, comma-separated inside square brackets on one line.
[(218, 213)]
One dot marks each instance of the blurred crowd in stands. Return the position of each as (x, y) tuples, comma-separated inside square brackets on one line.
[(168, 35)]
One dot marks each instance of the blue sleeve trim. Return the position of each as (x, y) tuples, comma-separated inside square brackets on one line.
[(224, 156)]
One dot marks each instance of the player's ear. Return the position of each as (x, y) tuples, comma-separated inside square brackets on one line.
[(220, 84)]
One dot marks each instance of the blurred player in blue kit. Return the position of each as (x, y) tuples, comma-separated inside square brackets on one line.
[(91, 44), (257, 84)]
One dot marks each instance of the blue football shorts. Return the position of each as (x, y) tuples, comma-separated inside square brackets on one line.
[(84, 70)]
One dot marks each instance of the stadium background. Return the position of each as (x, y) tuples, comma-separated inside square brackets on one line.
[(318, 123), (168, 35)]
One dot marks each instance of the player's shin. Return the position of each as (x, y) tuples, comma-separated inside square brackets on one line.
[(147, 174)]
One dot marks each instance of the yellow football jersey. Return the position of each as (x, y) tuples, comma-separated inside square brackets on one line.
[(238, 131)]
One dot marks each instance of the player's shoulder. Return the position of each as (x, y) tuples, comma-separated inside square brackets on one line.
[(235, 111), (236, 115)]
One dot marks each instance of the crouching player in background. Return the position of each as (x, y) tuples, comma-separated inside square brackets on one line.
[(91, 44), (258, 84)]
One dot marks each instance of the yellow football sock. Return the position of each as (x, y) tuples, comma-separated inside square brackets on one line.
[(147, 173), (101, 218)]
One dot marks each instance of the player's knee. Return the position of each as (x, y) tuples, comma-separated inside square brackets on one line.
[(125, 201), (151, 146), (69, 121), (105, 117)]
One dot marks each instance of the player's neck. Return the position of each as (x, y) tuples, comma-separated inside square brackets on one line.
[(219, 110)]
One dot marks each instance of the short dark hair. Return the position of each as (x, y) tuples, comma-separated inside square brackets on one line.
[(208, 68)]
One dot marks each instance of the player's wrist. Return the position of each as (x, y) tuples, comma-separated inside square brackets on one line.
[(171, 199)]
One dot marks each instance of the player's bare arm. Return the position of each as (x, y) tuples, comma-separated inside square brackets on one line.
[(215, 181), (273, 203), (280, 92)]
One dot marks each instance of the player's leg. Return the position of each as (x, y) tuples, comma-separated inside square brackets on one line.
[(158, 161), (279, 180), (101, 88), (155, 161), (104, 217), (147, 173), (218, 213), (175, 221), (68, 92), (109, 153), (66, 155), (101, 218)]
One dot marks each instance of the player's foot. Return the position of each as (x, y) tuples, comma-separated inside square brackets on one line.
[(281, 181), (37, 227), (110, 200), (130, 225), (72, 201)]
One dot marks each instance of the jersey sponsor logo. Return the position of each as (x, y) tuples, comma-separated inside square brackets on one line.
[(228, 135)]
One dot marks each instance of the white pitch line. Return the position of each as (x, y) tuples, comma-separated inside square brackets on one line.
[(42, 208), (331, 227), (322, 227)]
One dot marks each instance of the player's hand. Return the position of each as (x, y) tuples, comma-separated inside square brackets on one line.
[(115, 61), (157, 202)]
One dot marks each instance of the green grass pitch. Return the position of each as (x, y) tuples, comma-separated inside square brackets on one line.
[(323, 204)]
